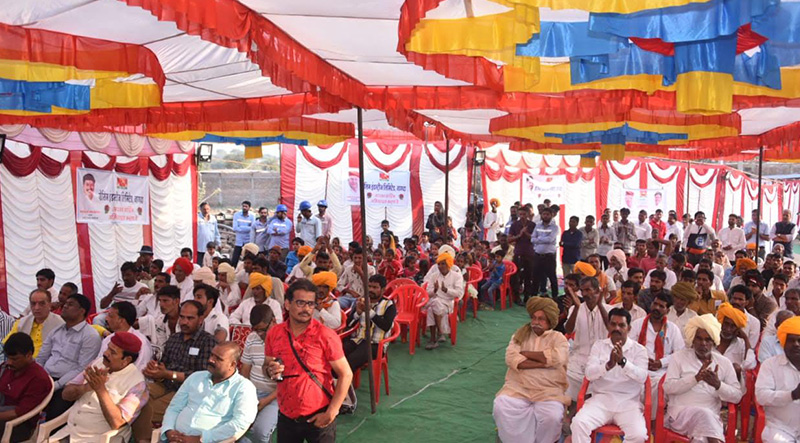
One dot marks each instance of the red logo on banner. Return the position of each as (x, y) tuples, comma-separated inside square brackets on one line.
[(122, 183), (384, 176)]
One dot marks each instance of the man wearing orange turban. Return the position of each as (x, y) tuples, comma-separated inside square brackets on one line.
[(261, 289), (778, 386), (492, 221), (181, 269), (733, 341), (444, 287), (328, 311)]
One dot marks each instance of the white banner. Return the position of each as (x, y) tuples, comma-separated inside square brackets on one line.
[(638, 199), (389, 189), (537, 188), (109, 197)]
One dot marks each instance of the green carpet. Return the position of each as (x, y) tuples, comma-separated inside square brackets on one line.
[(444, 395)]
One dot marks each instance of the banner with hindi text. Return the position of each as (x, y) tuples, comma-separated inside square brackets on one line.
[(110, 197), (388, 189)]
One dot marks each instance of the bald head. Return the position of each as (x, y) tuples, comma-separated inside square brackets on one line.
[(782, 316)]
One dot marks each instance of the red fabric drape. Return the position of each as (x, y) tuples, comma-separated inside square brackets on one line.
[(161, 173), (133, 168), (680, 200), (24, 166), (388, 167), (288, 176), (620, 175), (601, 188), (324, 164), (454, 161), (82, 232), (702, 170), (183, 167), (653, 167), (88, 163), (417, 208)]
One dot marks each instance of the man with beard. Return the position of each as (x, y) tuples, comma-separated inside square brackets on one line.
[(587, 319), (698, 380), (261, 288), (148, 300), (778, 387), (625, 231), (762, 306), (121, 317), (708, 299), (382, 311), (741, 298), (530, 406), (661, 338), (307, 399), (617, 370), (181, 270), (108, 395), (258, 230), (279, 229), (444, 287), (351, 285), (733, 342), (212, 405), (492, 221), (683, 295), (784, 232)]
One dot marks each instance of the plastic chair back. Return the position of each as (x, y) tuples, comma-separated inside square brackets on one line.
[(388, 292), (409, 298)]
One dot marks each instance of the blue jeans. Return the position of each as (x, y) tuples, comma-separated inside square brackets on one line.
[(486, 292), (265, 423)]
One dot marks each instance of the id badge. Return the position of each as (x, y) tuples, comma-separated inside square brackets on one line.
[(194, 351)]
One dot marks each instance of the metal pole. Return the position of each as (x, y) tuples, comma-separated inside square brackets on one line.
[(446, 184), (365, 266), (688, 185), (758, 226)]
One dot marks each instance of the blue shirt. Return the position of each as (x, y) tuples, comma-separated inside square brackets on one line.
[(259, 234), (279, 231), (291, 261), (497, 274), (207, 230), (215, 412), (545, 237), (571, 241), (241, 226)]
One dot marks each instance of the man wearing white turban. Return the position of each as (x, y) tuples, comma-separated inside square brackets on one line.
[(698, 380)]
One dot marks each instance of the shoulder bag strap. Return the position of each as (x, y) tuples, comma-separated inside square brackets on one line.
[(305, 368)]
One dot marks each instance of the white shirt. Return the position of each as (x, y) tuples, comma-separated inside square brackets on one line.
[(769, 347), (737, 353), (672, 279), (733, 237), (694, 229), (776, 380), (148, 305), (636, 312), (612, 273), (330, 317), (676, 229), (492, 222), (145, 354), (680, 320), (589, 328), (241, 316), (673, 341), (753, 329), (126, 294), (763, 229), (352, 280), (619, 389), (643, 230), (216, 321), (685, 391), (607, 237), (186, 287)]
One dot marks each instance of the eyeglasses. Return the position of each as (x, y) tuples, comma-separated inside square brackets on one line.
[(305, 303)]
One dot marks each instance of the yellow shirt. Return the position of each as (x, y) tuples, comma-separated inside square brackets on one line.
[(36, 335), (543, 384), (709, 306)]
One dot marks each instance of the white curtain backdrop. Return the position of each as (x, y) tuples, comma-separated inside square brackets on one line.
[(432, 182), (171, 216), (617, 186), (580, 200)]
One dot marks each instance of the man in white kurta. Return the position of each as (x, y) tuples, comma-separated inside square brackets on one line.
[(683, 294), (587, 321), (617, 370), (698, 380), (530, 406), (443, 289), (734, 343), (661, 338), (492, 221), (778, 387), (260, 286)]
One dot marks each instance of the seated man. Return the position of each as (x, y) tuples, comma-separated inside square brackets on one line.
[(707, 299), (121, 315), (148, 299), (351, 286), (670, 278), (655, 288), (617, 370), (184, 353), (327, 311), (762, 305), (23, 385), (160, 325), (127, 291), (629, 290), (770, 345), (68, 350), (253, 368), (698, 380), (40, 322), (587, 320), (683, 294), (108, 395), (733, 342), (444, 287), (530, 406), (181, 270), (261, 287), (214, 321), (214, 404), (661, 339), (382, 311), (778, 387), (741, 298)]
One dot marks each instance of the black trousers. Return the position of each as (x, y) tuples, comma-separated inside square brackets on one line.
[(237, 251), (200, 256), (524, 276), (544, 266), (57, 405), (299, 431), (356, 354)]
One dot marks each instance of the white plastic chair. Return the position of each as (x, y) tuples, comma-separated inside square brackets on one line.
[(31, 414), (154, 438), (48, 427)]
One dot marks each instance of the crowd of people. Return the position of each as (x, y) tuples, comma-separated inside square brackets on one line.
[(209, 348)]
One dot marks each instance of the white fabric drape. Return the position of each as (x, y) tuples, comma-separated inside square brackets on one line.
[(579, 200), (130, 144), (12, 130), (54, 135), (111, 245), (401, 221), (171, 216), (337, 207), (39, 231), (96, 141), (432, 183)]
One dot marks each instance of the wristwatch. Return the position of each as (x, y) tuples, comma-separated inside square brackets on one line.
[(622, 362), (174, 375)]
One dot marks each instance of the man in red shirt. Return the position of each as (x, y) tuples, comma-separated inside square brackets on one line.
[(23, 385), (301, 353), (658, 224)]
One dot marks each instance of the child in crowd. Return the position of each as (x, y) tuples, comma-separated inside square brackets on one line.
[(423, 266), (497, 268), (424, 242), (390, 266), (292, 258), (409, 266), (211, 252)]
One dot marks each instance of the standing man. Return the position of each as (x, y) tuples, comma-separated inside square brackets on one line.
[(242, 222), (778, 387), (207, 231), (625, 231), (617, 370), (606, 239), (544, 239), (325, 218), (697, 238), (784, 232), (279, 229), (588, 320), (673, 226), (305, 355), (658, 225), (308, 227), (436, 221), (258, 231), (732, 238), (590, 240), (530, 406), (750, 228), (520, 236), (643, 229), (492, 221), (571, 241)]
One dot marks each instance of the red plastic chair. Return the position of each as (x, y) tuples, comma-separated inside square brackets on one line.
[(665, 435), (475, 275), (452, 318), (761, 422), (343, 326), (614, 430), (746, 405), (409, 300), (380, 364), (505, 288), (395, 284)]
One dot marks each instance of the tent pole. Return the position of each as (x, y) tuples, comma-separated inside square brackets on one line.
[(758, 226), (365, 266), (446, 184), (688, 184)]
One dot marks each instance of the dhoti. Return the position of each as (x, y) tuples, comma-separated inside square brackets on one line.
[(522, 421), (576, 368), (439, 307), (699, 424)]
